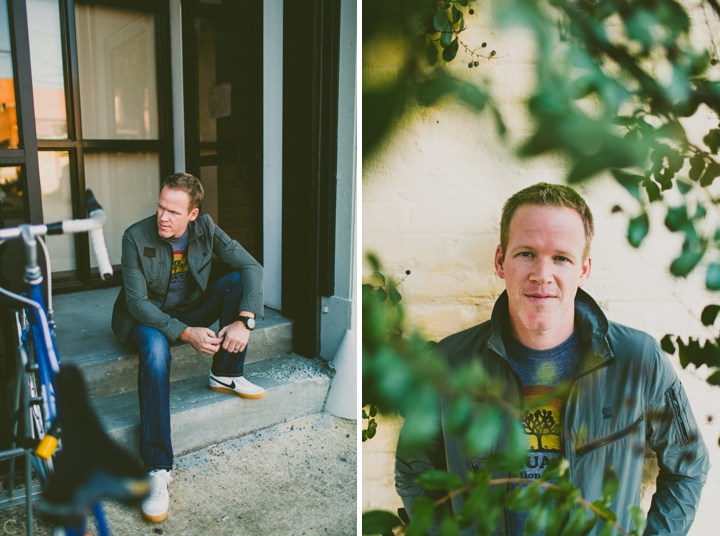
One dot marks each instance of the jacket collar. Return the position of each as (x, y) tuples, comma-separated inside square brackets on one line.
[(590, 323)]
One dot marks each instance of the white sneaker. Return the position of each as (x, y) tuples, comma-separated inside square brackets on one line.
[(155, 507), (237, 385)]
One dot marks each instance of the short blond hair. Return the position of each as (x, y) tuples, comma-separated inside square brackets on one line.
[(548, 195), (187, 183)]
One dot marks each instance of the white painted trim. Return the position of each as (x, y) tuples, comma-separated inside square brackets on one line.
[(272, 150), (176, 66)]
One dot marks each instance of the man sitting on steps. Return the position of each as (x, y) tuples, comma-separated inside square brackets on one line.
[(167, 297)]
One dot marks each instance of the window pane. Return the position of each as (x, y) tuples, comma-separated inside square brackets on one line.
[(205, 33), (118, 89), (8, 114), (12, 213), (127, 186), (47, 69), (57, 205)]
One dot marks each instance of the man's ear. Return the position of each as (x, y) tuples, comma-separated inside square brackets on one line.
[(194, 213), (586, 269), (499, 262)]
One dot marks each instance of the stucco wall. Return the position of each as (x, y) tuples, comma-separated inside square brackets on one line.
[(432, 198)]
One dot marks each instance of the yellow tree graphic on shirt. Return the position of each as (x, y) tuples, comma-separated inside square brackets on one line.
[(540, 423)]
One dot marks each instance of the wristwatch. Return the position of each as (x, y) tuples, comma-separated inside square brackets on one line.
[(248, 321)]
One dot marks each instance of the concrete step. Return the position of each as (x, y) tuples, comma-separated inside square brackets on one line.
[(84, 338), (295, 386)]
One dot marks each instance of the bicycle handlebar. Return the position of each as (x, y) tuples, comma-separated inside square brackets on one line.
[(93, 224)]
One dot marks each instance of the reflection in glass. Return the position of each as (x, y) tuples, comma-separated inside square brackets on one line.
[(12, 206), (57, 205), (118, 86), (205, 33), (12, 213), (47, 69), (127, 186), (8, 114)]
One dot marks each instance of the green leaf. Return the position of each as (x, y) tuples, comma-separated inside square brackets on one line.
[(379, 522), (395, 296), (638, 229), (484, 430), (711, 173), (677, 218), (687, 260), (709, 314), (712, 140), (629, 181), (714, 378), (380, 276), (364, 415), (697, 166), (607, 530), (449, 525), (450, 52), (435, 479), (440, 20), (463, 3), (446, 40), (712, 277), (373, 261), (638, 517), (373, 411), (523, 498), (653, 190), (431, 53), (456, 15), (576, 523), (610, 485), (473, 96), (667, 344), (381, 295), (422, 518)]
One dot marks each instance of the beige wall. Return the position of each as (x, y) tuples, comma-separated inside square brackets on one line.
[(432, 199)]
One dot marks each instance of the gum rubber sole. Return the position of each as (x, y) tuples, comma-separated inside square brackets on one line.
[(157, 518), (226, 390)]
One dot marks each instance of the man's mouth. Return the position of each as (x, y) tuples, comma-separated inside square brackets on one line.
[(537, 296)]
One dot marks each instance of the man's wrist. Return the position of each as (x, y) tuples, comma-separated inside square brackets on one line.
[(247, 320)]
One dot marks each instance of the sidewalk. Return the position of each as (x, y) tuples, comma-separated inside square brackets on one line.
[(295, 478)]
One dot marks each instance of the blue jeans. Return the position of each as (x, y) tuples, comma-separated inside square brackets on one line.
[(221, 300)]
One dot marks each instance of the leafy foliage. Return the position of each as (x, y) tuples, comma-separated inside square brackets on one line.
[(615, 81), (402, 373)]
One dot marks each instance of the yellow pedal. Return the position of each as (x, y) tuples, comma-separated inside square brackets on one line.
[(46, 447)]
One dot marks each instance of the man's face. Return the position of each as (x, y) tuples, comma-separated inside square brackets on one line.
[(173, 213), (543, 267)]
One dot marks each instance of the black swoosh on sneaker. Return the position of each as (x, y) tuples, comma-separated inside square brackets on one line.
[(229, 386)]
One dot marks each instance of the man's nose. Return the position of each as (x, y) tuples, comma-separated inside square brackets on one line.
[(541, 272)]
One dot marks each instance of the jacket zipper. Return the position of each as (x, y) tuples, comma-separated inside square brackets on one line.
[(678, 414), (609, 439), (562, 408)]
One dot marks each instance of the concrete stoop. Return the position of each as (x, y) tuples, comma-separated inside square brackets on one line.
[(295, 386)]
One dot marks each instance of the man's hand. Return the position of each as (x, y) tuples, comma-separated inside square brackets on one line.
[(202, 339), (235, 336)]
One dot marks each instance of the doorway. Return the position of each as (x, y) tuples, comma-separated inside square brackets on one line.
[(223, 76)]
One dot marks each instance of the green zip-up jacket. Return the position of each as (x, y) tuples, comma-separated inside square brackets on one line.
[(623, 377), (146, 265)]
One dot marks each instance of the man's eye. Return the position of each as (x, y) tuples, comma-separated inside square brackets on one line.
[(561, 259), (525, 254)]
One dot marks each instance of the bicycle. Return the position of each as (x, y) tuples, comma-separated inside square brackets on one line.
[(75, 461)]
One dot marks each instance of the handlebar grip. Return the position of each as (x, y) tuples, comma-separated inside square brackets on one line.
[(91, 202), (97, 238)]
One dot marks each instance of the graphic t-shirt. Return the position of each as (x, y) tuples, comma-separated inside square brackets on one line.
[(181, 280), (541, 372)]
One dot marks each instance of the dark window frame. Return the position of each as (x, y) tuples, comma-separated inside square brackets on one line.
[(76, 145)]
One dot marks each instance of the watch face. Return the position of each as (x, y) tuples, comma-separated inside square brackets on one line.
[(250, 323)]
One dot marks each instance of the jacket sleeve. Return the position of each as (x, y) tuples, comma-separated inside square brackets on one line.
[(231, 252), (681, 453), (136, 294)]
